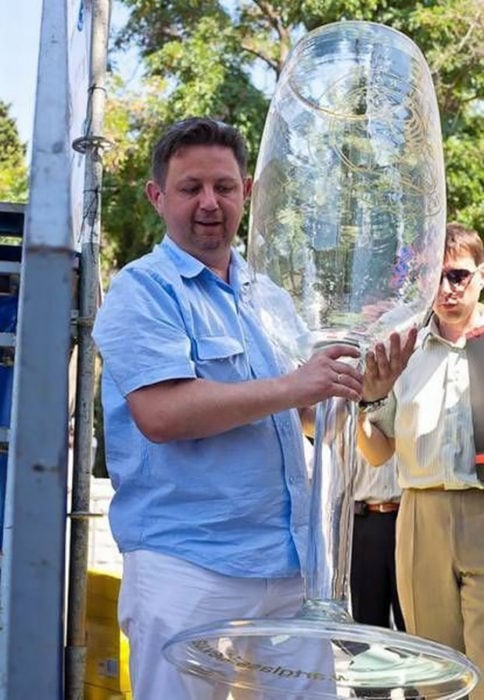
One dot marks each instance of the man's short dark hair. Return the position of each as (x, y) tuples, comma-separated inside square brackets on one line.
[(461, 240), (196, 131)]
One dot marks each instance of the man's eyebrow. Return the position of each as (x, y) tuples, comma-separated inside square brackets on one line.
[(194, 178)]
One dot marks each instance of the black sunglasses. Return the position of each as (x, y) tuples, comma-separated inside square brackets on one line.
[(457, 277)]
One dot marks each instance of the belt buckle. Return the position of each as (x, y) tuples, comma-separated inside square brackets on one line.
[(389, 507)]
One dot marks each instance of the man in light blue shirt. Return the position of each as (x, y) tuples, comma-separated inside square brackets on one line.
[(203, 419)]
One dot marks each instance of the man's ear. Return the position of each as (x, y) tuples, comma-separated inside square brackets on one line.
[(481, 272), (154, 194)]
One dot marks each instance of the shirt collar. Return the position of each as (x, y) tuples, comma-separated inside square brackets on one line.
[(186, 264), (239, 272), (190, 267), (431, 332)]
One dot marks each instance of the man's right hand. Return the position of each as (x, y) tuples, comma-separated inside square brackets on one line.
[(325, 375), (382, 369)]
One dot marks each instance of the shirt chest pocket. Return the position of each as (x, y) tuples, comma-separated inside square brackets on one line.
[(221, 359)]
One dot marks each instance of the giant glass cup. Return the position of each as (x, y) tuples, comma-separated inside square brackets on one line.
[(346, 244)]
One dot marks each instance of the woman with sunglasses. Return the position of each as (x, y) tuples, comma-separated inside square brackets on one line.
[(425, 417)]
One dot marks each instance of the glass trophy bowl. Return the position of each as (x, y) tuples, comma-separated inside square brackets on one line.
[(304, 658), (348, 205), (346, 243)]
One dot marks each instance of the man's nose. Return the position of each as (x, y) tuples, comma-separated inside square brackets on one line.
[(208, 198), (445, 285)]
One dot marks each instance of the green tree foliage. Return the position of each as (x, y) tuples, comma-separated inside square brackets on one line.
[(205, 57), (13, 171), (200, 71)]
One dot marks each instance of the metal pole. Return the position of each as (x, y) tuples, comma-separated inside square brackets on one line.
[(34, 536), (92, 145)]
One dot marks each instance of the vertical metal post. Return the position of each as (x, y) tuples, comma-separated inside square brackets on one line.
[(92, 145), (34, 537)]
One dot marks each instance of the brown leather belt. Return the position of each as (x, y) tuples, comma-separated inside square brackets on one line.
[(388, 507)]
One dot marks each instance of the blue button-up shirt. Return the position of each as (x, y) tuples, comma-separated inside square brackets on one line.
[(236, 503)]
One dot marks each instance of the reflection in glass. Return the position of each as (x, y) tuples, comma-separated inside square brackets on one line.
[(346, 244)]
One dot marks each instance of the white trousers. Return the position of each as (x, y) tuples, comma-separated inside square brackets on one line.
[(162, 595)]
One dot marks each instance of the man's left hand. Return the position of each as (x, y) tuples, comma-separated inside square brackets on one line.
[(383, 369)]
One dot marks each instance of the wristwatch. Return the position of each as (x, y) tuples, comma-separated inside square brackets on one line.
[(370, 406)]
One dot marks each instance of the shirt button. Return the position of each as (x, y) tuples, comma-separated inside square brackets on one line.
[(291, 479)]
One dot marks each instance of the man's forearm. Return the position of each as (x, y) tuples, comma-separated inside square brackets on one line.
[(193, 409), (374, 445), (184, 409)]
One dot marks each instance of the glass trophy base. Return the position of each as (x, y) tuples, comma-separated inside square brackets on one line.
[(311, 658)]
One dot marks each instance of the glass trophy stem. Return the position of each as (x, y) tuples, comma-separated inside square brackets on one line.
[(331, 511)]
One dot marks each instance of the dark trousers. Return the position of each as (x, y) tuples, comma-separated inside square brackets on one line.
[(373, 581)]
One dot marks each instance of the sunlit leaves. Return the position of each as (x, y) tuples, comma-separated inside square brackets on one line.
[(13, 171), (206, 57)]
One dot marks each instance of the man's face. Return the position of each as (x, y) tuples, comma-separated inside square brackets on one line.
[(459, 292), (202, 199)]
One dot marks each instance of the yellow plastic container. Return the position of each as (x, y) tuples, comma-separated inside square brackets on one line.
[(107, 662), (94, 692)]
